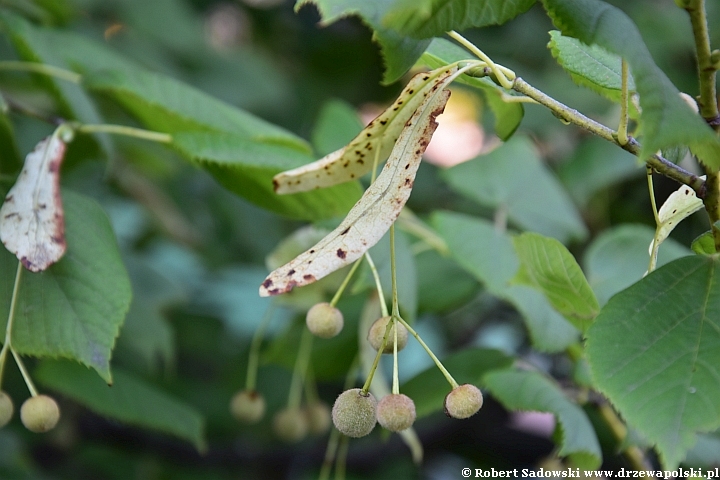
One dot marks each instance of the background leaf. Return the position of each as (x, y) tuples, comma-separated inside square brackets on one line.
[(654, 350), (246, 168), (590, 65), (547, 265), (129, 400), (489, 256), (432, 18), (512, 177), (336, 125), (522, 390), (666, 120), (618, 257), (399, 52), (75, 308), (164, 104)]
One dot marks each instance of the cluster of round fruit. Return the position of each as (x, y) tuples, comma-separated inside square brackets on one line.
[(39, 413), (356, 411), (289, 424)]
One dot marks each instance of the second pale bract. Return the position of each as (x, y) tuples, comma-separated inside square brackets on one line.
[(377, 209)]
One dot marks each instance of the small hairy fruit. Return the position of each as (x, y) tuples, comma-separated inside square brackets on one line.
[(354, 413), (377, 332), (324, 320), (318, 417), (396, 412), (463, 402), (290, 425), (40, 413), (247, 406), (6, 408)]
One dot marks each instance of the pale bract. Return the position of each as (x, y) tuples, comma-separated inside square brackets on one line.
[(376, 210), (376, 140), (679, 205), (32, 224)]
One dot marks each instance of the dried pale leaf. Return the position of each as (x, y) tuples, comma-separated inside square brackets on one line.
[(32, 224), (679, 205), (373, 214), (356, 158)]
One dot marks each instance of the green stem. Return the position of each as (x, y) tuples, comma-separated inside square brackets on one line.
[(25, 374), (655, 245), (622, 136), (254, 355), (42, 69), (7, 344), (396, 379), (438, 363), (504, 75), (570, 115), (342, 458), (301, 365), (393, 276), (329, 454), (127, 131), (376, 361), (378, 284), (707, 101), (345, 282)]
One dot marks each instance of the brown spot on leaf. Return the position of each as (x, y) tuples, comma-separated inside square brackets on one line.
[(267, 283), (308, 277), (341, 253), (345, 231), (383, 122), (291, 272)]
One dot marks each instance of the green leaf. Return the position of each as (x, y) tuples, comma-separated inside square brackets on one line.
[(129, 400), (512, 177), (247, 167), (337, 124), (589, 65), (429, 388), (704, 244), (478, 248), (522, 390), (489, 256), (147, 338), (443, 285), (35, 44), (666, 120), (432, 18), (595, 165), (10, 160), (548, 266), (654, 351), (618, 257), (549, 331), (398, 51), (75, 308), (508, 115), (167, 105)]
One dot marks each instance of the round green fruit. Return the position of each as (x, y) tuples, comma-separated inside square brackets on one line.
[(6, 408), (40, 413), (354, 413), (324, 320), (248, 406), (463, 402), (377, 332), (396, 412), (290, 425)]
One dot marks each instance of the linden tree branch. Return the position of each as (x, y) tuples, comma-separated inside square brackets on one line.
[(657, 162)]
